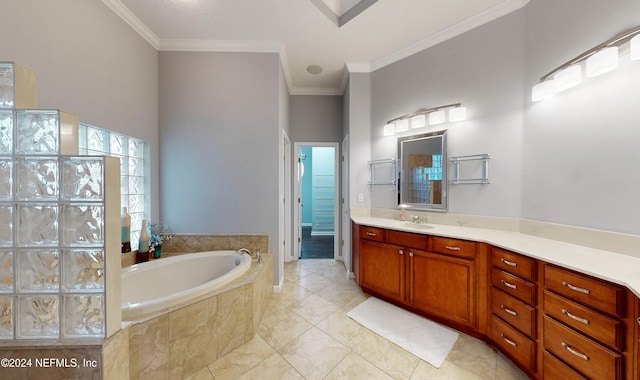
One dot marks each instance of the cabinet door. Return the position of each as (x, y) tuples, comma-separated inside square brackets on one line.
[(382, 268), (443, 286)]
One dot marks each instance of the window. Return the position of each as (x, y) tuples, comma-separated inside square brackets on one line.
[(134, 182)]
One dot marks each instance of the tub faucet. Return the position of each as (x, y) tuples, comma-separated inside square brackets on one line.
[(245, 250)]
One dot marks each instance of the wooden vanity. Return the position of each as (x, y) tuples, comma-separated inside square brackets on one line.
[(551, 321)]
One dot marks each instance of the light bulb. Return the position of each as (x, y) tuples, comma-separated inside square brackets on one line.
[(418, 121), (436, 117), (458, 114), (602, 62)]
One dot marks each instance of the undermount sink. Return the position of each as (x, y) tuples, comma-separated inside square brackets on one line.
[(417, 225)]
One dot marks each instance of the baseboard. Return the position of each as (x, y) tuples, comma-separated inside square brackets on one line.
[(278, 288)]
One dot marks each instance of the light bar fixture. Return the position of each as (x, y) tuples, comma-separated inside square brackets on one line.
[(418, 119), (597, 61)]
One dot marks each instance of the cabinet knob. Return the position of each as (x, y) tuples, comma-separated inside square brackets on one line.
[(410, 254), (401, 252)]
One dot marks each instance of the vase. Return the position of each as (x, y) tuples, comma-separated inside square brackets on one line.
[(157, 251)]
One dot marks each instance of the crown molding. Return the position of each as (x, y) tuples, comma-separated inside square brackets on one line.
[(316, 91), (133, 21), (466, 25)]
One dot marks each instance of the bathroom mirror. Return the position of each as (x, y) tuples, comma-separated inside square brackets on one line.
[(422, 163)]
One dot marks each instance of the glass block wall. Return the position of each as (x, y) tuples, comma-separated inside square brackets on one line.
[(52, 227)]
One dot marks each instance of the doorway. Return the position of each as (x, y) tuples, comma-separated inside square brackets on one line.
[(317, 211)]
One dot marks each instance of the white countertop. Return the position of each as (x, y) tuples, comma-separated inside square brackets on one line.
[(614, 267)]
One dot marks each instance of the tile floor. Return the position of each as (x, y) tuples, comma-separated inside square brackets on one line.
[(305, 334)]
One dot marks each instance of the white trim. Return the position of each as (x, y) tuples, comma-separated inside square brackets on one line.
[(278, 288), (316, 91), (133, 21)]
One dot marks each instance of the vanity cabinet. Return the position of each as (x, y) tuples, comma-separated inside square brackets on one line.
[(583, 324), (513, 306), (433, 275)]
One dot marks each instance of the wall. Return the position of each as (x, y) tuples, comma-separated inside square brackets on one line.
[(567, 160), (219, 132), (481, 69), (90, 63), (316, 118), (580, 160)]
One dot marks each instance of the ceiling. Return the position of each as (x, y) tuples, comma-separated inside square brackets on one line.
[(305, 32)]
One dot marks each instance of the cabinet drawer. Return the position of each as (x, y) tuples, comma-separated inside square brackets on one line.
[(589, 291), (580, 352), (514, 263), (515, 312), (598, 326), (453, 247), (554, 369), (407, 239), (372, 233), (513, 343), (513, 285)]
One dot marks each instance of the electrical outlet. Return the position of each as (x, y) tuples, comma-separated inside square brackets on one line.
[(360, 197)]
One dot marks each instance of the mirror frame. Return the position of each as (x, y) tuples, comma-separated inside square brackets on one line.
[(442, 207)]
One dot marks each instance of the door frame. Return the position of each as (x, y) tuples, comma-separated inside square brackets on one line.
[(336, 197)]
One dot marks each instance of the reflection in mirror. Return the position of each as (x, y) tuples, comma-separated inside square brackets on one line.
[(422, 184)]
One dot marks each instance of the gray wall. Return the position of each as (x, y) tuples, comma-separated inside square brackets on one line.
[(483, 70), (90, 63), (219, 133), (316, 118), (567, 160), (580, 158)]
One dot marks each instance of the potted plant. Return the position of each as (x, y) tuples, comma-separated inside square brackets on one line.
[(159, 233)]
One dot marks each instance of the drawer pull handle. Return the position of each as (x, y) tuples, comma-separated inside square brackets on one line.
[(452, 248), (508, 340), (509, 263), (509, 285), (575, 288), (509, 311), (574, 317), (576, 353), (371, 234)]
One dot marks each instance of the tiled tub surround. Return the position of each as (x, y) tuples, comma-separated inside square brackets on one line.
[(185, 340)]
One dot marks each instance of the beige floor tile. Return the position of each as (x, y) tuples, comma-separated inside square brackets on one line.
[(387, 356), (242, 359), (279, 326), (203, 374), (314, 309), (508, 371), (354, 367), (291, 295), (447, 371), (474, 355), (343, 329), (341, 293), (274, 367), (314, 354), (314, 282)]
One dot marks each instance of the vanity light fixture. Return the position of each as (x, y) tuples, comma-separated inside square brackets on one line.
[(418, 119), (597, 61)]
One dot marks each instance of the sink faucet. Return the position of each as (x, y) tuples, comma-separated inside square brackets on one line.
[(415, 218), (245, 250)]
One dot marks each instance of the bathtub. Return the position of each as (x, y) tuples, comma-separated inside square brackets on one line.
[(158, 286)]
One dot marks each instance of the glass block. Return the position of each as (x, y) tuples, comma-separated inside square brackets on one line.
[(37, 179), (97, 140), (118, 145), (6, 317), (6, 272), (82, 178), (83, 270), (6, 179), (136, 185), (136, 204), (84, 316), (83, 224), (37, 225), (37, 271), (38, 317), (6, 225), (136, 167), (6, 132), (6, 85), (124, 187), (136, 148), (37, 132)]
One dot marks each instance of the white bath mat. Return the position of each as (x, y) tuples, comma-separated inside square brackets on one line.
[(424, 338)]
